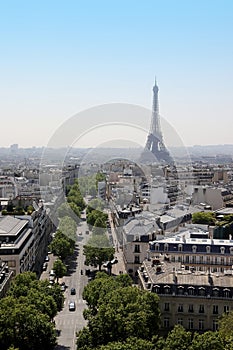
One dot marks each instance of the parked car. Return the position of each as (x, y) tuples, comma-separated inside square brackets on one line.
[(73, 291), (51, 278), (72, 306), (63, 287), (52, 273), (44, 267), (46, 258)]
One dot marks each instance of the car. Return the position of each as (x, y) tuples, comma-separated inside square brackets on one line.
[(46, 258), (114, 261), (80, 233), (44, 267), (73, 291), (52, 273), (72, 306), (52, 278), (63, 287)]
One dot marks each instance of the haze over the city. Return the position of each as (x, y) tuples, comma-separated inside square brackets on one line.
[(61, 58)]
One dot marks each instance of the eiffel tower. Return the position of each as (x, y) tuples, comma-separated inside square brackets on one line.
[(155, 148)]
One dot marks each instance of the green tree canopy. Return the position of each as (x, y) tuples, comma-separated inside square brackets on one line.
[(95, 291), (97, 251), (68, 227), (207, 341), (205, 218), (122, 314), (59, 269), (178, 339), (61, 247), (25, 327), (129, 344)]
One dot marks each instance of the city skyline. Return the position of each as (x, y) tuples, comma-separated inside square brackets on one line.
[(61, 59)]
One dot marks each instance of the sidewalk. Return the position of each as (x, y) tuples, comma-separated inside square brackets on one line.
[(120, 266)]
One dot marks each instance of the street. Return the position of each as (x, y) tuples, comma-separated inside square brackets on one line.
[(69, 322)]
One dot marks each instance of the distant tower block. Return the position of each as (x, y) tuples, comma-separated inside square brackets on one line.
[(155, 144)]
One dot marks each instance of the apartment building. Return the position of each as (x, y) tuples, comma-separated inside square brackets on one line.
[(24, 240), (193, 276), (193, 299)]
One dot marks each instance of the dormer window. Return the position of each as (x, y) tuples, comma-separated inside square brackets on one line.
[(208, 249), (157, 246), (194, 248), (226, 293), (166, 247), (222, 250), (167, 289), (180, 247), (231, 250)]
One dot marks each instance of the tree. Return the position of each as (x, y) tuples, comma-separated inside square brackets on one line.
[(97, 251), (99, 177), (24, 326), (69, 209), (95, 204), (132, 343), (226, 330), (68, 227), (61, 247), (59, 269), (207, 341), (205, 218), (95, 291), (178, 339), (28, 290), (121, 315)]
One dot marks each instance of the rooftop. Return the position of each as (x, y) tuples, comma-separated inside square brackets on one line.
[(11, 226)]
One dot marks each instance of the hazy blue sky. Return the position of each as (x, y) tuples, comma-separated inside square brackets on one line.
[(61, 57)]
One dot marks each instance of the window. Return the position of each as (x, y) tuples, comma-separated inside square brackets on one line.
[(216, 292), (190, 323), (166, 322), (190, 307), (180, 247), (181, 290), (202, 291), (222, 250), (194, 248), (201, 325), (208, 249), (226, 293), (215, 325), (231, 250), (201, 309), (167, 290), (180, 308), (191, 290), (157, 246), (215, 309), (166, 247), (137, 259), (187, 259), (226, 309), (166, 306), (180, 321), (137, 248)]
